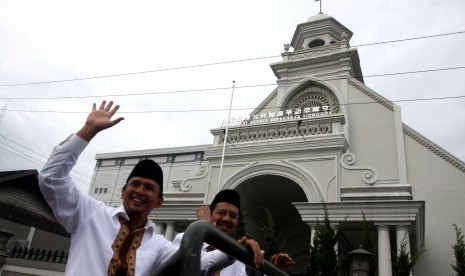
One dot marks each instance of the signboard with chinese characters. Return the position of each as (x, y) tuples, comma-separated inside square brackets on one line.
[(281, 115)]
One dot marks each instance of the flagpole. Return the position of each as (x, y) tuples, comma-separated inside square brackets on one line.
[(320, 4), (226, 136)]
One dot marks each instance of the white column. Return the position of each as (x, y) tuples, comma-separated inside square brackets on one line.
[(30, 236), (384, 251), (312, 233), (159, 228), (169, 233)]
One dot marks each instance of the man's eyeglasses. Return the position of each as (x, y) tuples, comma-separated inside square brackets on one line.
[(224, 213)]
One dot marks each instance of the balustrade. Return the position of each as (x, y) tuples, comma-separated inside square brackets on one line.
[(41, 255)]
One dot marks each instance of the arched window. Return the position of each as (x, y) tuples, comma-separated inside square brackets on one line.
[(316, 43)]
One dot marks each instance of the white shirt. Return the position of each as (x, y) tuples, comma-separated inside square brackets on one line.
[(93, 225), (236, 269)]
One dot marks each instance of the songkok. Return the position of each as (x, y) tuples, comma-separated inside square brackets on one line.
[(148, 168), (228, 196)]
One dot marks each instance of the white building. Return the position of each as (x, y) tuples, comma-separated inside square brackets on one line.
[(320, 136)]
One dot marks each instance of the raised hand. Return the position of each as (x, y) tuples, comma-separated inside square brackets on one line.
[(282, 261), (258, 258), (98, 120), (203, 213)]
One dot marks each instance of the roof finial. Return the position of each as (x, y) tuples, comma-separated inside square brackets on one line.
[(320, 4)]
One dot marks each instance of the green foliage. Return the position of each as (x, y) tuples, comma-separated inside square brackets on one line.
[(368, 245), (403, 262), (459, 252), (323, 255), (312, 269), (273, 245)]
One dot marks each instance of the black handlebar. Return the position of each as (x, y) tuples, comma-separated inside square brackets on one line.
[(186, 261)]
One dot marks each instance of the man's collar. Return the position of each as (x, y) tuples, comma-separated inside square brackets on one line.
[(120, 211)]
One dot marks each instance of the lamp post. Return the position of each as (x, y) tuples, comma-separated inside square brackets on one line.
[(359, 262)]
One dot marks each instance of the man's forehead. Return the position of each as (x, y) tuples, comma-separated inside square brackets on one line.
[(226, 206), (143, 180)]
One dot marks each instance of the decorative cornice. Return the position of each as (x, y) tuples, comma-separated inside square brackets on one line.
[(370, 93), (151, 152), (377, 192), (378, 211), (454, 161)]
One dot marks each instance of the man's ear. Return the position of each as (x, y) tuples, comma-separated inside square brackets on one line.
[(160, 202), (122, 191)]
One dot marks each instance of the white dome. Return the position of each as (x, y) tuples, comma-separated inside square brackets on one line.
[(319, 16)]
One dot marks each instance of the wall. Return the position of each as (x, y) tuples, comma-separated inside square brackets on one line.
[(442, 187)]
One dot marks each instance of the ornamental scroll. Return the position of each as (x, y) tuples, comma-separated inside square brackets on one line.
[(369, 174)]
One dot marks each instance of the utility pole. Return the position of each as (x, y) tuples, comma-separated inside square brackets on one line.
[(226, 136)]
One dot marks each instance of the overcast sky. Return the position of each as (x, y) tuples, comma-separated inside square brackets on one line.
[(46, 41)]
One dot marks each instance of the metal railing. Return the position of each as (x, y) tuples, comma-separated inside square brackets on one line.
[(186, 261)]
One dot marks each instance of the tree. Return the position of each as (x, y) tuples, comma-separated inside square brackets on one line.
[(459, 252), (323, 255), (404, 261), (312, 269), (273, 245)]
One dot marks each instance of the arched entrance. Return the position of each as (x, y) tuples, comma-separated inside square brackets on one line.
[(276, 193)]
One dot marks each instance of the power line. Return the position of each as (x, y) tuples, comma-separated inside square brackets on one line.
[(123, 95), (137, 73), (415, 72), (235, 109), (407, 39), (209, 64), (18, 153), (6, 138), (224, 88), (40, 162)]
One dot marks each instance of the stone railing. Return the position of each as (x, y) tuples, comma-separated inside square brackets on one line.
[(304, 127), (317, 52), (41, 255)]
